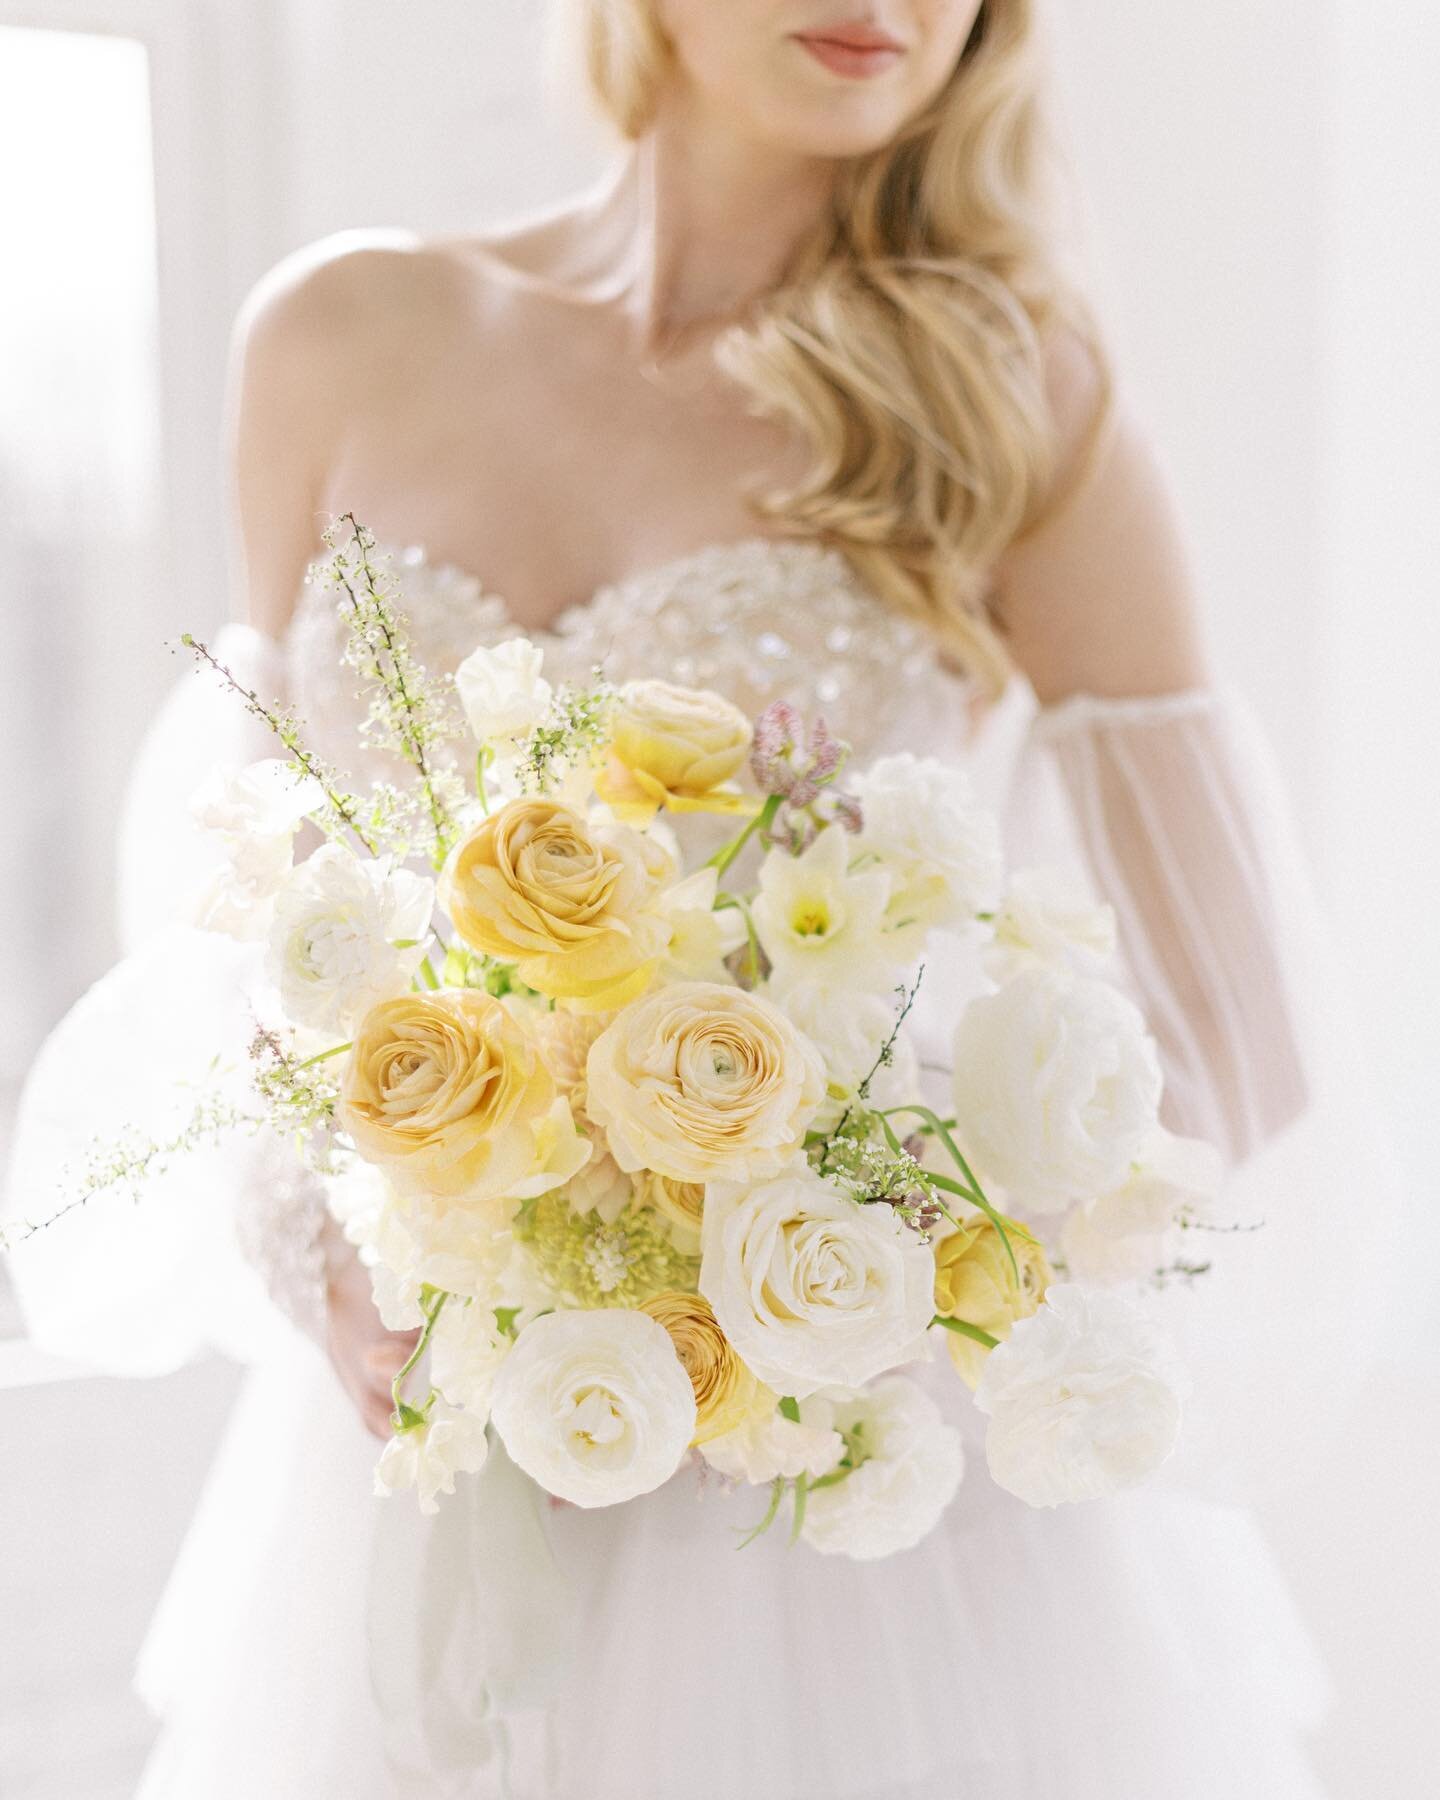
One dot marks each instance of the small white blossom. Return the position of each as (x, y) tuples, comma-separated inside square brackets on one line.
[(347, 933), (428, 1457), (466, 1351), (502, 690), (700, 937), (1083, 1399), (910, 1464)]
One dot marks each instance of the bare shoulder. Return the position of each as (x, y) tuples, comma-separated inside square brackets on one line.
[(1099, 595), (356, 285)]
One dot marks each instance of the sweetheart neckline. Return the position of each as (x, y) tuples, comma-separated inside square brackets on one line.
[(656, 576)]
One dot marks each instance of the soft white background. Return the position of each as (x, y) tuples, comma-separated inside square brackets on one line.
[(1257, 193)]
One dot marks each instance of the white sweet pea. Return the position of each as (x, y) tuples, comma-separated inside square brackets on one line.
[(252, 817), (467, 1348), (595, 1406), (772, 1446), (1083, 1399), (812, 1288), (1057, 1084), (909, 1464), (428, 1457), (819, 922), (1047, 916), (700, 937), (1135, 1229), (502, 690), (940, 847), (346, 934)]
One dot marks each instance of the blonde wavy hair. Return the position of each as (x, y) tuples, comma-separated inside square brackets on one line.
[(907, 338)]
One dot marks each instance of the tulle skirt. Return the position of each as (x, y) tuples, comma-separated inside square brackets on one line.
[(1137, 1648)]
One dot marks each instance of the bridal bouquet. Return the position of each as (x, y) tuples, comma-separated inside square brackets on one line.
[(643, 1150)]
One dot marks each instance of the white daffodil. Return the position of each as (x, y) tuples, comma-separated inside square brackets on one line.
[(819, 922)]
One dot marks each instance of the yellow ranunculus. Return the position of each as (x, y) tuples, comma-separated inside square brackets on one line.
[(974, 1281), (700, 1081), (680, 1203), (727, 1394), (451, 1097), (569, 904), (674, 747)]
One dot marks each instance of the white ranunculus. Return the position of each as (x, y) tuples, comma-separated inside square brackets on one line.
[(467, 1348), (772, 1446), (346, 934), (940, 847), (1057, 1084), (1136, 1229), (819, 922), (428, 1457), (502, 690), (252, 818), (910, 1465), (1083, 1398), (1048, 916), (595, 1405), (812, 1288)]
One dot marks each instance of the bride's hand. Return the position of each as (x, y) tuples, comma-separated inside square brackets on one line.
[(365, 1355)]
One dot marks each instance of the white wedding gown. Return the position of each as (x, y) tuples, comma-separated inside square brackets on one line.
[(318, 1642)]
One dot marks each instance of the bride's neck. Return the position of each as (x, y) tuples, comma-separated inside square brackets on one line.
[(693, 223)]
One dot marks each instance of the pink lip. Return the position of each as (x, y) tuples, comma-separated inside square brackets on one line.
[(851, 49)]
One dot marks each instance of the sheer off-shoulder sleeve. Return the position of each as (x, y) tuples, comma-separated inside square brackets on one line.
[(228, 1239), (1174, 802)]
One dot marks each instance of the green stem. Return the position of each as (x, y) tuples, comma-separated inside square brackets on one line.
[(976, 1194), (322, 1056), (432, 1313), (963, 1328), (762, 821)]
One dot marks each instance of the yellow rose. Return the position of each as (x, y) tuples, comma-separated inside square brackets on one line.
[(674, 747), (699, 1080), (974, 1281), (727, 1395), (680, 1203), (569, 904), (452, 1098)]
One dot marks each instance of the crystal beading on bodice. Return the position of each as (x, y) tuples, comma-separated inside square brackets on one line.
[(758, 620)]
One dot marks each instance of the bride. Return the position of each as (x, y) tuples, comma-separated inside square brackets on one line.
[(794, 401)]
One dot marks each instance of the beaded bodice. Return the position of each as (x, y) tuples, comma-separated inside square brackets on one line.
[(758, 620)]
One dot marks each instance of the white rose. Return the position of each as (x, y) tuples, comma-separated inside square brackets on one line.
[(812, 1288), (428, 1457), (1129, 1233), (772, 1447), (1083, 1399), (909, 1464), (595, 1406), (1057, 1084), (1048, 916), (252, 817), (819, 922), (502, 690), (345, 935), (939, 846)]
